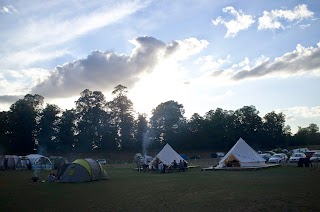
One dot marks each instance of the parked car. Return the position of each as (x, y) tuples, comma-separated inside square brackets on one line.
[(217, 155), (266, 156), (278, 158), (296, 156), (270, 152), (315, 157)]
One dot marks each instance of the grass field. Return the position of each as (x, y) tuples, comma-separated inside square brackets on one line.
[(285, 188)]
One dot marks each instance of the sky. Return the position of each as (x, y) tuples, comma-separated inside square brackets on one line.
[(203, 54)]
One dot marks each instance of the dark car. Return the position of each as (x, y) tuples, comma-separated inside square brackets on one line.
[(217, 155)]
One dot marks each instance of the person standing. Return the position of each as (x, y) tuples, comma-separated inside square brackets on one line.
[(181, 165)]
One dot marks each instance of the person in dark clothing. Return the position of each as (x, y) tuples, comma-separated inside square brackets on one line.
[(29, 165), (181, 165), (174, 164), (185, 165), (164, 168)]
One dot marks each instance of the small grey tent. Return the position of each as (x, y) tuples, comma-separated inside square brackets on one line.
[(39, 162), (58, 161), (12, 162), (82, 170)]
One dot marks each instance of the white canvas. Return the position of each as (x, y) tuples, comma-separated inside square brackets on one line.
[(167, 155), (243, 153)]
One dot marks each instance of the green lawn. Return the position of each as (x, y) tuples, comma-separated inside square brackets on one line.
[(286, 188)]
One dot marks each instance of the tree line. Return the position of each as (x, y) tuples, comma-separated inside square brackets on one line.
[(98, 125)]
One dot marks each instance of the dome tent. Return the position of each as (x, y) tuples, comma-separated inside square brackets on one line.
[(82, 170), (39, 162), (58, 161), (14, 162)]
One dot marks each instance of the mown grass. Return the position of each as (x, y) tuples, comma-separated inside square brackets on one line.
[(286, 188)]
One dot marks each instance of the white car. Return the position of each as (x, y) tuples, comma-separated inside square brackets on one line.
[(278, 158), (315, 157), (296, 157), (266, 156)]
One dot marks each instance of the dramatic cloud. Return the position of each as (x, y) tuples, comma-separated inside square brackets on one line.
[(271, 20), (300, 61), (104, 70), (242, 22), (19, 82)]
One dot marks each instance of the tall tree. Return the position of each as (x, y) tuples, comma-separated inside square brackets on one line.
[(109, 132), (4, 133), (307, 135), (23, 122), (141, 131), (90, 111), (165, 121), (220, 126), (248, 124), (66, 132), (196, 135), (48, 129), (274, 130), (122, 117)]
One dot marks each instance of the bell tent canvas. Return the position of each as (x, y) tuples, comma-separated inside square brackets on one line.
[(81, 170), (242, 155), (167, 155)]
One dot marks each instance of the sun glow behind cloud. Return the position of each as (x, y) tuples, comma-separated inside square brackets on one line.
[(162, 85)]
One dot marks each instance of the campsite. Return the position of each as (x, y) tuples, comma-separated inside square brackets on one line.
[(239, 181), (284, 188)]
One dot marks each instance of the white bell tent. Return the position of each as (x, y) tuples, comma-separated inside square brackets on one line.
[(243, 155), (167, 155)]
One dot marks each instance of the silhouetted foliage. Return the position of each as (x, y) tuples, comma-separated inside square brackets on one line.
[(66, 132), (121, 108), (98, 125), (48, 129), (24, 116), (165, 122)]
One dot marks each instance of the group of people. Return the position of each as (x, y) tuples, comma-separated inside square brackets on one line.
[(174, 166), (182, 166)]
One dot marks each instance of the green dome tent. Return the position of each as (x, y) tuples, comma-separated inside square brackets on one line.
[(81, 170)]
